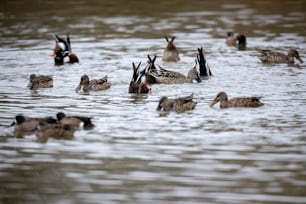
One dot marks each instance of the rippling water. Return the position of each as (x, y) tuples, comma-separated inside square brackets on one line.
[(135, 154)]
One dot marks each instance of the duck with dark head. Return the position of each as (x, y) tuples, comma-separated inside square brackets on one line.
[(28, 125), (74, 121), (178, 105)]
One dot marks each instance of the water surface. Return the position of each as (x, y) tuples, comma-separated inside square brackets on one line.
[(135, 154)]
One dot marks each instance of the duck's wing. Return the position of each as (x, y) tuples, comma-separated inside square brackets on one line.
[(182, 100), (100, 81), (167, 73), (245, 102)]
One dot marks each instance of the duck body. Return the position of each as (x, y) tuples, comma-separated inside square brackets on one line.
[(74, 121), (87, 85), (236, 102), (40, 81), (170, 53), (269, 56), (179, 105), (27, 125), (136, 85)]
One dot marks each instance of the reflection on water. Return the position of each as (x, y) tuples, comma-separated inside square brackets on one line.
[(135, 154)]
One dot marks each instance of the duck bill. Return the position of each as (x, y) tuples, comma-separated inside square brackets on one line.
[(213, 103), (80, 86)]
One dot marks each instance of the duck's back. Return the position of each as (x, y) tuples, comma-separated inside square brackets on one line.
[(245, 102), (268, 56)]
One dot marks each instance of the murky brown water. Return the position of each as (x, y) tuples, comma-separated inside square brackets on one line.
[(134, 154)]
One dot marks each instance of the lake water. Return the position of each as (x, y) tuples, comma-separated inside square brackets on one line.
[(135, 154)]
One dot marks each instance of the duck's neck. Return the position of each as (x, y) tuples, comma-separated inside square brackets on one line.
[(223, 103), (290, 59), (86, 88)]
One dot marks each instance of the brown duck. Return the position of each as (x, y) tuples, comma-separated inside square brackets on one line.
[(40, 81), (27, 126), (56, 130), (236, 102), (164, 76), (269, 56), (136, 84), (87, 85), (74, 121), (178, 104), (171, 53)]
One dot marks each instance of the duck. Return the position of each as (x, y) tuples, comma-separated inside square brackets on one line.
[(164, 76), (56, 130), (231, 40), (62, 49), (178, 105), (87, 85), (74, 121), (170, 53), (28, 125), (151, 68), (269, 56), (205, 70), (136, 84), (40, 81), (236, 102)]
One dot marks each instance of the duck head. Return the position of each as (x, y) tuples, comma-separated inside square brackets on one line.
[(84, 84), (292, 53), (221, 96), (164, 104)]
